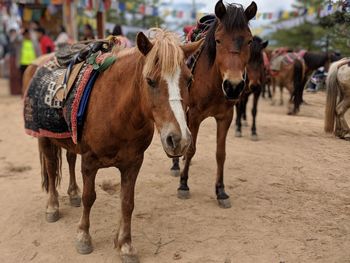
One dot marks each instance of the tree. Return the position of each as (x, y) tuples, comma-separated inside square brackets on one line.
[(328, 33), (133, 10)]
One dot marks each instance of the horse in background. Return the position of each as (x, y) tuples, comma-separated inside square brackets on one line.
[(310, 61), (338, 86), (256, 79), (287, 70), (146, 88), (219, 81)]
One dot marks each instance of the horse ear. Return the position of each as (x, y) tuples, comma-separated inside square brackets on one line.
[(143, 43), (265, 44), (190, 48), (251, 10), (220, 9)]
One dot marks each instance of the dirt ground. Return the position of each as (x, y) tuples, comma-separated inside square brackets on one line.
[(289, 192)]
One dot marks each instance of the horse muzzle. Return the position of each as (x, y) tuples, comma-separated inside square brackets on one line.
[(232, 91), (174, 144)]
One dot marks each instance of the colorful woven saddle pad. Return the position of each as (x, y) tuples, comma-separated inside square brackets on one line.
[(43, 116)]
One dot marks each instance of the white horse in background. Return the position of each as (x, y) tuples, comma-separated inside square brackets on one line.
[(338, 85)]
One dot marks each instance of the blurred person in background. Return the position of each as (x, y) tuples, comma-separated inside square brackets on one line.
[(118, 32), (88, 32), (46, 44), (62, 38), (27, 51)]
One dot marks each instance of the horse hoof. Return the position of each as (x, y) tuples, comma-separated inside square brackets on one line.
[(175, 172), (238, 134), (130, 259), (183, 194), (83, 244), (52, 217), (254, 137), (224, 203), (75, 200)]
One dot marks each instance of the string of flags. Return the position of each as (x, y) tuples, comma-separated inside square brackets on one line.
[(311, 15), (311, 11)]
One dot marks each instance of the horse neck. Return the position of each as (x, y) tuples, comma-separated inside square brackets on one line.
[(129, 91), (211, 73)]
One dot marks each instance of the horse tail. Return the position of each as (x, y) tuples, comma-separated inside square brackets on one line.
[(57, 153), (332, 95)]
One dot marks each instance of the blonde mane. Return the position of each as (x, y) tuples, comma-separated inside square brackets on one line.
[(166, 55)]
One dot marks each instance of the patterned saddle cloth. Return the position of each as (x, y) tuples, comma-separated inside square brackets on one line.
[(285, 59), (47, 113)]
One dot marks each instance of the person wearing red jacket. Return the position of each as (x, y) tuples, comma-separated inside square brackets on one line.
[(46, 43)]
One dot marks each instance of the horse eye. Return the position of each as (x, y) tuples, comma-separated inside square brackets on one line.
[(152, 83), (217, 41)]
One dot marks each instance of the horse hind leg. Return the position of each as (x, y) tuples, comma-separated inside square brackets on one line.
[(342, 128), (73, 189), (50, 157), (222, 129)]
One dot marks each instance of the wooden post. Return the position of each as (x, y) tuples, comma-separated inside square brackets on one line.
[(69, 19), (100, 25)]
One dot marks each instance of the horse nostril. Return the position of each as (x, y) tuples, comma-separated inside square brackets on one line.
[(241, 86), (173, 140)]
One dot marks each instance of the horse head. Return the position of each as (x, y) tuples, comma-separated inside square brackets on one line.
[(229, 42), (165, 81), (256, 67)]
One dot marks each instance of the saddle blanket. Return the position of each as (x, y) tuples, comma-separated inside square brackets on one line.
[(43, 120), (285, 59)]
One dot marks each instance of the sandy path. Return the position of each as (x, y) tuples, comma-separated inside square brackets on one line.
[(290, 196)]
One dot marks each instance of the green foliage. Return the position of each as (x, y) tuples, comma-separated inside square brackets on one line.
[(145, 21), (307, 36), (331, 32), (337, 27)]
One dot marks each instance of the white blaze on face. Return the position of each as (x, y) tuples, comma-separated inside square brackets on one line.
[(175, 101)]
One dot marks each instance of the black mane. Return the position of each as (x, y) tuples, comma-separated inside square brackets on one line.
[(234, 20)]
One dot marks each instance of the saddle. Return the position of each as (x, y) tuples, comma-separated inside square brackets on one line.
[(72, 59)]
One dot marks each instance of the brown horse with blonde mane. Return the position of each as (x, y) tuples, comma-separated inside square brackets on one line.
[(146, 87), (219, 80)]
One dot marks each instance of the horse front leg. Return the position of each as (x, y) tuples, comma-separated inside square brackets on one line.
[(175, 169), (223, 124), (73, 189), (183, 192), (238, 119), (89, 169), (129, 175), (281, 95), (273, 97), (254, 136), (50, 158)]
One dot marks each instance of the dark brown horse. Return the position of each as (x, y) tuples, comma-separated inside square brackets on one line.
[(146, 87), (256, 80), (219, 80)]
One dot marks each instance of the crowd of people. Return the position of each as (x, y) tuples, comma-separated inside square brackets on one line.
[(19, 48)]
